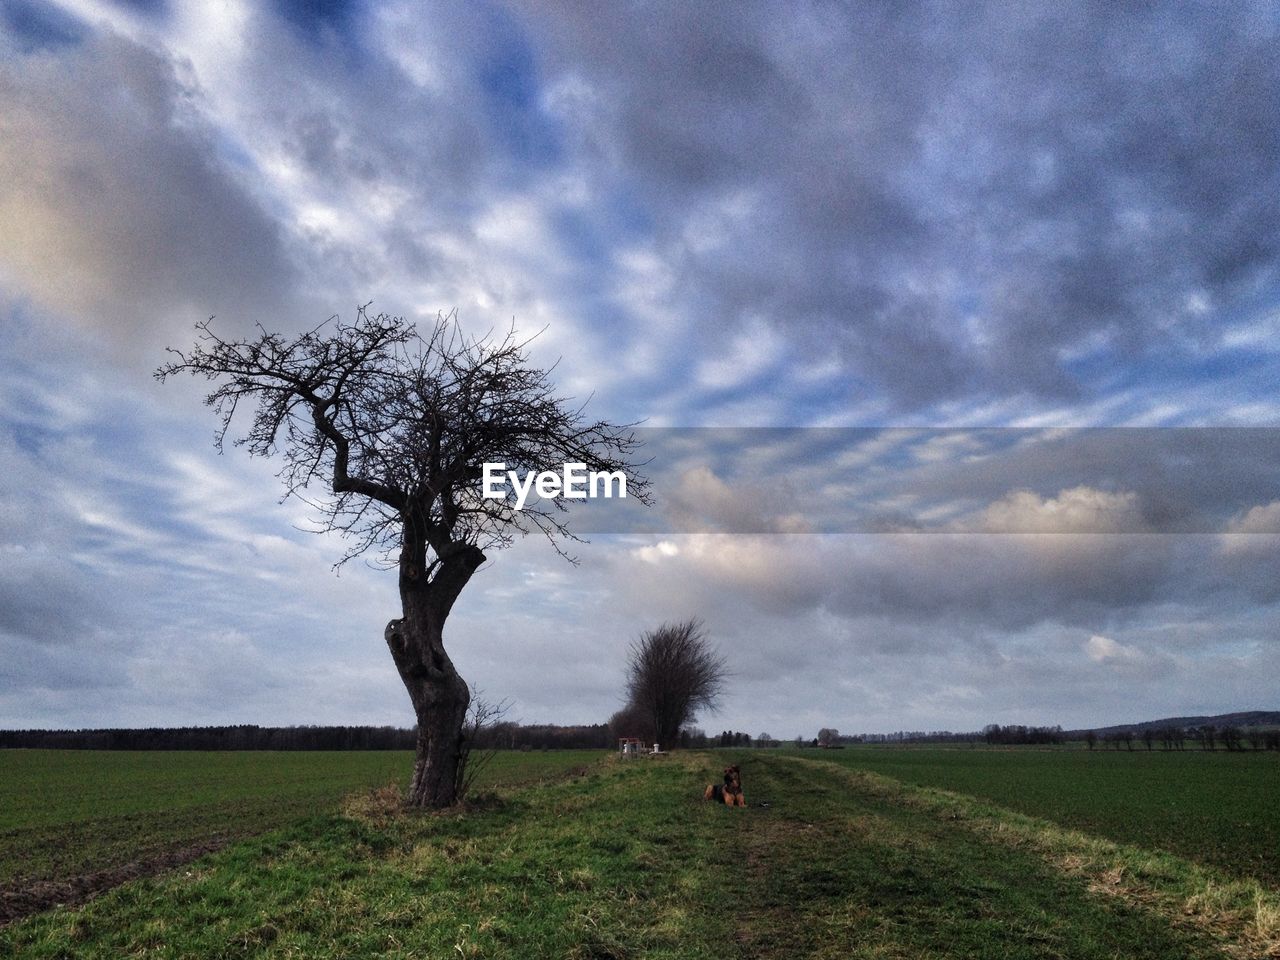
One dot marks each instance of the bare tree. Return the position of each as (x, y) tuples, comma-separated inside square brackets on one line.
[(673, 674), (397, 425), (828, 737), (482, 716), (1090, 738), (1231, 738)]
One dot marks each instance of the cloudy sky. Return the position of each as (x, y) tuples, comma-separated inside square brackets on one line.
[(956, 332)]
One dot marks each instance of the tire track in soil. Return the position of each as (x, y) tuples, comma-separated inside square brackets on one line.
[(22, 899)]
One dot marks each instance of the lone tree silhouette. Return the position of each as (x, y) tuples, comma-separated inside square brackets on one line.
[(398, 425), (673, 673)]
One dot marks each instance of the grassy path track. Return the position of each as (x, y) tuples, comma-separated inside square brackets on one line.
[(1101, 895), (625, 860), (1215, 807)]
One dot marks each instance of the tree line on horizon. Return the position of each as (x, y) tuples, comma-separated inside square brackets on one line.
[(1206, 736), (628, 722), (1231, 737), (234, 737), (506, 735)]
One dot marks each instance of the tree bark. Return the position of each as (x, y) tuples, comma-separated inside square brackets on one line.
[(440, 698), (439, 695)]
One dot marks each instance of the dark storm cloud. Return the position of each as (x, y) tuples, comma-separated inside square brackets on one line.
[(117, 208), (45, 596), (991, 480), (959, 199), (1010, 584), (959, 586)]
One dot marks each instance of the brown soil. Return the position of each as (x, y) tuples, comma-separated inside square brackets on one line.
[(20, 899)]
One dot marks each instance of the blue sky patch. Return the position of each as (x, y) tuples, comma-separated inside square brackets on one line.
[(40, 26)]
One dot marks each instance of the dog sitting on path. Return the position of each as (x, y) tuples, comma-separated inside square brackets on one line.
[(730, 792)]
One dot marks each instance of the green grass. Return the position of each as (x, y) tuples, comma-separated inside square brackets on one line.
[(1214, 807), (64, 814), (625, 860)]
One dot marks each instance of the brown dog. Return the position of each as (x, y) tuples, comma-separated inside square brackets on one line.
[(730, 793)]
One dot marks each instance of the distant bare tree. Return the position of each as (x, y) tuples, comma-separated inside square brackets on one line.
[(1090, 739), (1207, 736), (1148, 736), (673, 673), (827, 736), (394, 427), (693, 737), (631, 721)]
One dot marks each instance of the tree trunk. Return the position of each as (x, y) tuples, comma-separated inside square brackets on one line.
[(440, 698)]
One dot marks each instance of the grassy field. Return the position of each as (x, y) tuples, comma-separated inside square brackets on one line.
[(624, 860), (74, 821), (1215, 807)]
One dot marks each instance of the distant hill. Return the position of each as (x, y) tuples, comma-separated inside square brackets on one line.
[(1247, 718)]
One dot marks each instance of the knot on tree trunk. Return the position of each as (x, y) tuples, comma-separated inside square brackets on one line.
[(394, 635)]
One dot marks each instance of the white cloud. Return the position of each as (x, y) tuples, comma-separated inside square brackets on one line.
[(657, 552), (1078, 510), (1262, 519), (1102, 649)]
